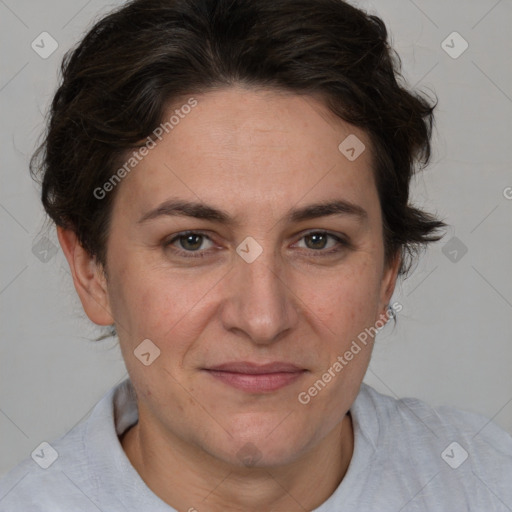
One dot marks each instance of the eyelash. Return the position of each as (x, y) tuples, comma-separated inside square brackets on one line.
[(202, 254)]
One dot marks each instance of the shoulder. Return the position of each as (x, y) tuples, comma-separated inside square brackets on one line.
[(412, 410), (412, 418), (45, 480), (59, 475), (414, 415), (454, 451)]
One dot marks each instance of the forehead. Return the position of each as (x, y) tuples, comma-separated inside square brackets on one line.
[(243, 148)]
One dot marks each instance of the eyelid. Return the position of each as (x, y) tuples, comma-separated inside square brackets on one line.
[(181, 252), (338, 237), (342, 242)]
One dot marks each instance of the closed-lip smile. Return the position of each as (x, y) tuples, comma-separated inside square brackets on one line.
[(256, 378)]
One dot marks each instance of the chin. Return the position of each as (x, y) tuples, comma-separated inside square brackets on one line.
[(261, 450)]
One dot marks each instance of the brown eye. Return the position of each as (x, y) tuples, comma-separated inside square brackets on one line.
[(323, 242), (189, 244), (317, 240)]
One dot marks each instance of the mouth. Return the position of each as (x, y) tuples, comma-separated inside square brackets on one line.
[(256, 378)]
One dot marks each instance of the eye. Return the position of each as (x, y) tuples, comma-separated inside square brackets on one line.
[(187, 243), (191, 244), (322, 241)]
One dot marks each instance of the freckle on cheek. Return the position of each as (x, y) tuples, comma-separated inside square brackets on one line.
[(145, 393)]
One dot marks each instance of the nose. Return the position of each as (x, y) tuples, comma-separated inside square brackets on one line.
[(260, 303)]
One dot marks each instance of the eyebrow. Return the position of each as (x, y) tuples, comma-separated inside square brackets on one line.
[(178, 207)]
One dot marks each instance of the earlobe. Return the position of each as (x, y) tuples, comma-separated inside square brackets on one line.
[(88, 278), (388, 283)]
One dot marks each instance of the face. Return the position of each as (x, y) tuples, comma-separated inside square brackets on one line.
[(251, 301)]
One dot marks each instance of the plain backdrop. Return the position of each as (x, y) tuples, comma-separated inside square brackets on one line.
[(452, 344)]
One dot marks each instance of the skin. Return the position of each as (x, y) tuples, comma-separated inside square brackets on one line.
[(255, 154)]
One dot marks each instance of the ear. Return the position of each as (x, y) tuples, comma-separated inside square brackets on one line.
[(88, 277), (389, 278)]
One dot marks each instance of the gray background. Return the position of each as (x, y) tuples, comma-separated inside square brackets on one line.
[(452, 344)]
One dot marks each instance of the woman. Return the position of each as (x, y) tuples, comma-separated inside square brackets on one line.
[(230, 185)]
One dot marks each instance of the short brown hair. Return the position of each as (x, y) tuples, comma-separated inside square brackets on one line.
[(118, 81)]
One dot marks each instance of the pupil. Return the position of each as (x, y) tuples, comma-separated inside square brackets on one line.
[(192, 245), (316, 237)]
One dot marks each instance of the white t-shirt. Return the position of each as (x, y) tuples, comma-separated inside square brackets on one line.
[(407, 457)]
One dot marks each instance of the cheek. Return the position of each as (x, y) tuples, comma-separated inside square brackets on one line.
[(343, 309), (344, 301), (162, 304)]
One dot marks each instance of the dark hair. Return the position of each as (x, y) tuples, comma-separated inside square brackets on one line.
[(119, 81)]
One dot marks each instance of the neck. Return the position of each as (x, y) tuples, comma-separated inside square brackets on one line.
[(192, 480)]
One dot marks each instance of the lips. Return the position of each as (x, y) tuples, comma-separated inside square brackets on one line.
[(256, 369), (256, 378)]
